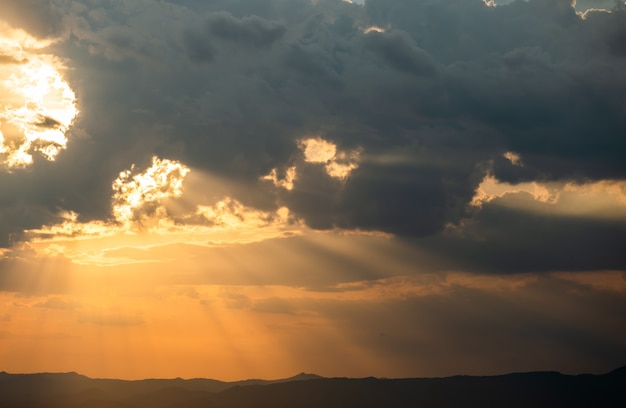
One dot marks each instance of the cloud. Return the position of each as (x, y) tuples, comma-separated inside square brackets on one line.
[(140, 194), (502, 239), (338, 164), (41, 18), (416, 111), (198, 46), (147, 218), (458, 328), (286, 182), (37, 106), (399, 50)]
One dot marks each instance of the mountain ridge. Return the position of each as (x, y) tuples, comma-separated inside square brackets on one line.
[(547, 388)]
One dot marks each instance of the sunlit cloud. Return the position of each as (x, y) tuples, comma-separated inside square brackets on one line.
[(342, 164), (317, 150), (230, 214), (491, 188), (585, 8), (138, 195), (338, 164), (374, 28), (514, 158), (600, 199), (287, 182), (37, 106), (141, 220)]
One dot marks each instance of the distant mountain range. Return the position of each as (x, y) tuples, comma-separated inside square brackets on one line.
[(535, 389)]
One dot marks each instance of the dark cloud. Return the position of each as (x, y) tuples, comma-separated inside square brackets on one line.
[(444, 91), (501, 239), (251, 31), (399, 51)]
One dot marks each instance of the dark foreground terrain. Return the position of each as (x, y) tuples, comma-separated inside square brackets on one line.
[(539, 389)]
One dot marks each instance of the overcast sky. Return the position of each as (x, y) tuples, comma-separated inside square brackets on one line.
[(255, 188)]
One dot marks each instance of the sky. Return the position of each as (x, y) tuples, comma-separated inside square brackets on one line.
[(257, 188)]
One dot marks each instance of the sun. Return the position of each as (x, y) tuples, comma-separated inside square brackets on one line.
[(37, 106)]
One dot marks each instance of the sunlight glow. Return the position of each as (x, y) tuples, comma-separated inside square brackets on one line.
[(37, 106), (139, 194)]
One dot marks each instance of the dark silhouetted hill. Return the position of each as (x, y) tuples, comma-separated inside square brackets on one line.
[(538, 389)]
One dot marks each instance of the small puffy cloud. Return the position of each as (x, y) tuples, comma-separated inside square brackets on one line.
[(338, 164), (318, 150), (514, 158)]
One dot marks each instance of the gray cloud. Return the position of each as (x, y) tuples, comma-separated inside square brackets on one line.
[(251, 31), (198, 47)]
